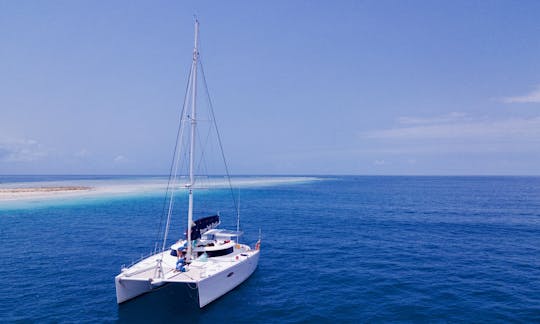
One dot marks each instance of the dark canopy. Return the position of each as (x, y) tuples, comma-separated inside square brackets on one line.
[(202, 225)]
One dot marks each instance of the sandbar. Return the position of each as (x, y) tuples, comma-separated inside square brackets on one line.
[(40, 192), (82, 188), (43, 189)]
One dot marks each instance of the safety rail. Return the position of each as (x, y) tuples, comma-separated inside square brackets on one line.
[(143, 256)]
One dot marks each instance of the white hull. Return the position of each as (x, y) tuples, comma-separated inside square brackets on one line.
[(130, 288), (222, 282), (210, 280)]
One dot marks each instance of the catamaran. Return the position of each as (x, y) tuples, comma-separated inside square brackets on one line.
[(208, 261)]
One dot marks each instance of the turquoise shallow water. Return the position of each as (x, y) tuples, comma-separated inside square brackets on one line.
[(349, 249)]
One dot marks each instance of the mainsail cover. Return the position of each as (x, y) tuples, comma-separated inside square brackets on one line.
[(202, 225)]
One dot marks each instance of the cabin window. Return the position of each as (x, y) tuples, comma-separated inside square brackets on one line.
[(218, 252)]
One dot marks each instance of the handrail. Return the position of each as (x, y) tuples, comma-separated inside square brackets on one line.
[(143, 256)]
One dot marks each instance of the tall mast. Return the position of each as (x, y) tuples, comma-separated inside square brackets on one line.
[(192, 139)]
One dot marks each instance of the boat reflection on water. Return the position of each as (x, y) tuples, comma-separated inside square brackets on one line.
[(169, 302)]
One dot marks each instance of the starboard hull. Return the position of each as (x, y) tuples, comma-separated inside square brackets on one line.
[(213, 287)]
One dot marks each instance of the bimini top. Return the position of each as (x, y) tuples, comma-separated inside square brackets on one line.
[(221, 234)]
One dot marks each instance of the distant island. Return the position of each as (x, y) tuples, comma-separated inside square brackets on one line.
[(39, 192), (43, 189), (31, 189)]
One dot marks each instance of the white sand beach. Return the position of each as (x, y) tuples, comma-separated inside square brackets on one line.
[(34, 192), (70, 189)]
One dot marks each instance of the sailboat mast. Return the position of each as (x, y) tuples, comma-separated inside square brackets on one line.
[(192, 139)]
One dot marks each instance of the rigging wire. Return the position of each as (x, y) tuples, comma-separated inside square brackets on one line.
[(174, 163), (236, 207)]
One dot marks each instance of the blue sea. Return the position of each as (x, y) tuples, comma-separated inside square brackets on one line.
[(341, 249)]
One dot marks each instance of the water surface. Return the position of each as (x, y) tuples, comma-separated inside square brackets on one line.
[(349, 249)]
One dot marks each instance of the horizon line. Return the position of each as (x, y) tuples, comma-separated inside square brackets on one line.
[(272, 175)]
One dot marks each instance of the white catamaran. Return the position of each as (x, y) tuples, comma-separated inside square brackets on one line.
[(208, 262)]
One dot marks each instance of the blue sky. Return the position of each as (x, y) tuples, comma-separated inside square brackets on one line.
[(299, 87)]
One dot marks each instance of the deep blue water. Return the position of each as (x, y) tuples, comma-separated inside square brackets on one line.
[(345, 249)]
